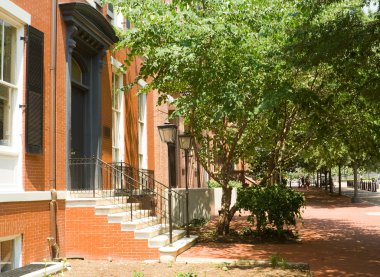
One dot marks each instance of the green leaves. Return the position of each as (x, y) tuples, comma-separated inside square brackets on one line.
[(271, 206), (266, 81)]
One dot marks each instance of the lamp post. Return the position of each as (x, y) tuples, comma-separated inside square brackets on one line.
[(168, 134), (185, 143)]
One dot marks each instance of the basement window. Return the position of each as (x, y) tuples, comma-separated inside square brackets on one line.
[(10, 253)]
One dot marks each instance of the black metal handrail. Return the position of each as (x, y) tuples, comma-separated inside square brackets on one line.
[(125, 185), (146, 177)]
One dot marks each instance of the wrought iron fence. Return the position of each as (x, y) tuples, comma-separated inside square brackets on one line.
[(125, 186), (365, 185), (146, 179)]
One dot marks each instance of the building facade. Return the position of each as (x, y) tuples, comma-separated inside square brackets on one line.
[(65, 124)]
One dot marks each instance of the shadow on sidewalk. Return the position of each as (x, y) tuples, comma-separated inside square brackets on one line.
[(339, 238)]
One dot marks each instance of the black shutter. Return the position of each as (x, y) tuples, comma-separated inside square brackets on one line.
[(34, 90)]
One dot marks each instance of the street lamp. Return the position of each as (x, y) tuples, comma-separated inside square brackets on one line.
[(185, 143), (168, 134)]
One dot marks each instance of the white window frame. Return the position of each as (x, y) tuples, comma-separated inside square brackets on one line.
[(17, 249), (109, 12), (97, 4), (11, 156), (142, 130), (120, 111)]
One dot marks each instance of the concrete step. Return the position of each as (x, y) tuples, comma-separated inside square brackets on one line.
[(151, 231), (139, 223), (126, 216), (92, 202), (169, 253), (163, 239), (115, 208)]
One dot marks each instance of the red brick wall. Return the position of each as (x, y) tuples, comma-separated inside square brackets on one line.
[(32, 221), (131, 139), (36, 167), (160, 116), (92, 237)]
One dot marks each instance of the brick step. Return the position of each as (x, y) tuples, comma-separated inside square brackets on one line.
[(139, 223), (126, 216), (169, 253), (151, 231), (163, 239), (115, 208)]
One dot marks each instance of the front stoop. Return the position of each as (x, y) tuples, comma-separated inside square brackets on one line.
[(169, 253), (144, 226)]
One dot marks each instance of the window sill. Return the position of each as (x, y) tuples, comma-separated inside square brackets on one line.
[(8, 151)]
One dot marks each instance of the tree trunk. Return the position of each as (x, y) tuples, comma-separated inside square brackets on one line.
[(317, 184), (355, 199), (340, 179), (225, 216), (325, 180), (331, 183)]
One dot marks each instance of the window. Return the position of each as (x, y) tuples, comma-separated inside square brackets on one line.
[(13, 21), (127, 24), (142, 131), (117, 127), (76, 72), (110, 11), (10, 253), (6, 255), (7, 79)]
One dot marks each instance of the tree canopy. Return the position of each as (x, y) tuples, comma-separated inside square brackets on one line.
[(261, 80)]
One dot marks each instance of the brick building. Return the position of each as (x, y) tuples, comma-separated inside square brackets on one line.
[(70, 143), (63, 127)]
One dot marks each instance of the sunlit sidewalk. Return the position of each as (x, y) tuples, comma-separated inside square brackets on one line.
[(368, 196)]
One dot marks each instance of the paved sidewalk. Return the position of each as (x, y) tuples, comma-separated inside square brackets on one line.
[(368, 196), (338, 239)]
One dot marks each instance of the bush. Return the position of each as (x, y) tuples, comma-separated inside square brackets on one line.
[(213, 184), (271, 206), (235, 184), (277, 261), (198, 222)]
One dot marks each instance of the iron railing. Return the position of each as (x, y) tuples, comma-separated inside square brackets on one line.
[(146, 179), (125, 186), (364, 185)]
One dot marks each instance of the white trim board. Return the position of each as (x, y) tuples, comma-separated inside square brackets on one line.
[(27, 196), (14, 12)]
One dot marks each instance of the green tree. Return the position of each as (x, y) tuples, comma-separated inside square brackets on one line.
[(345, 40), (243, 76)]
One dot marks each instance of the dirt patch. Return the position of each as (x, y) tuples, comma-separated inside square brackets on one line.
[(87, 268)]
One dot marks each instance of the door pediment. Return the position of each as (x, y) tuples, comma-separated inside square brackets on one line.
[(94, 32)]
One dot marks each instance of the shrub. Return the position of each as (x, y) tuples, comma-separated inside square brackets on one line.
[(277, 261), (233, 184), (198, 222), (213, 184), (271, 206)]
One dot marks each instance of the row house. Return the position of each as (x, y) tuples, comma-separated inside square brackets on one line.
[(82, 169)]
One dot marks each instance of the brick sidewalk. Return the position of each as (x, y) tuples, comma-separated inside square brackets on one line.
[(338, 239)]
